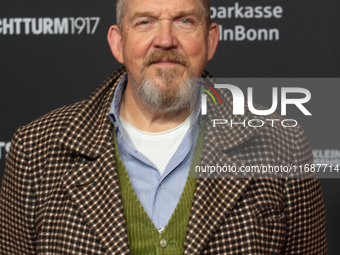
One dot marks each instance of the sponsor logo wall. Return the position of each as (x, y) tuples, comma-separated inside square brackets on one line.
[(55, 53), (4, 149), (329, 157), (240, 32), (48, 26)]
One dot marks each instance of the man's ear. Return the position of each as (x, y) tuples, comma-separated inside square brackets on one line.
[(213, 38), (114, 38)]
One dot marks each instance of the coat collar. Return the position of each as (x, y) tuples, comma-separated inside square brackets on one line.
[(229, 136), (93, 186), (89, 129)]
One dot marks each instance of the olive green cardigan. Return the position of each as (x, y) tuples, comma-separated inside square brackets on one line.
[(143, 236)]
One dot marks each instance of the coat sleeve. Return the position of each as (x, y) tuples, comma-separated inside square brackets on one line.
[(304, 207), (17, 234)]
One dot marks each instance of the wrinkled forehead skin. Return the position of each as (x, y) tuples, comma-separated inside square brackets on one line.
[(129, 7)]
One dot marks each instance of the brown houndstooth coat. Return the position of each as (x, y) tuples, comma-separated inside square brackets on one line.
[(60, 192)]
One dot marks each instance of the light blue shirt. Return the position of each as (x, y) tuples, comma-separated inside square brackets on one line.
[(158, 194)]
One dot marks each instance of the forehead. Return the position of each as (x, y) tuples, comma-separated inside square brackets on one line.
[(171, 7)]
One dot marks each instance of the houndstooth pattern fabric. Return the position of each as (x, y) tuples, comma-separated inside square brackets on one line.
[(60, 192)]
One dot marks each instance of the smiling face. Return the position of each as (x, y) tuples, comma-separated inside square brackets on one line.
[(163, 44)]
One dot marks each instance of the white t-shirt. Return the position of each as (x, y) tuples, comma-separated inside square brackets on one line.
[(158, 147)]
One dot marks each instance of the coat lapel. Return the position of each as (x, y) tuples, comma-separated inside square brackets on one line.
[(216, 194), (92, 183)]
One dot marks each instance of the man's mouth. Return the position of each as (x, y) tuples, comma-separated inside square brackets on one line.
[(165, 62)]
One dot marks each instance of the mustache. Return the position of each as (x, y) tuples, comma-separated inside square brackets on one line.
[(169, 55)]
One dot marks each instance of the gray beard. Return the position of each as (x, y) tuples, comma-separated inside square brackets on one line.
[(169, 98)]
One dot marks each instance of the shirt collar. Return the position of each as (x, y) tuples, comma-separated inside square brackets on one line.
[(115, 106)]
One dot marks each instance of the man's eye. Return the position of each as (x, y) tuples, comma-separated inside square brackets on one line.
[(185, 21), (144, 22)]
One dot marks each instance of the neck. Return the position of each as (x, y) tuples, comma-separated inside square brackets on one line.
[(140, 115)]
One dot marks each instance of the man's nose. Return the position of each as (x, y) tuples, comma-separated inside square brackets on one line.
[(165, 37)]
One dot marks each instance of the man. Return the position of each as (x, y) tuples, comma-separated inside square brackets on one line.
[(109, 175)]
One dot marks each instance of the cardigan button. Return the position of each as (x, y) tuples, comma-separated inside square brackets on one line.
[(163, 243)]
